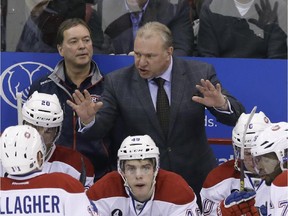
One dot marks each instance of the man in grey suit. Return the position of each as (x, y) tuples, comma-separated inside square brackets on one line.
[(130, 94)]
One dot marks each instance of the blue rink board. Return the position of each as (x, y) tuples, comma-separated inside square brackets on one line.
[(255, 82)]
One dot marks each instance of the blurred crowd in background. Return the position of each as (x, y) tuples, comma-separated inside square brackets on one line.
[(206, 28)]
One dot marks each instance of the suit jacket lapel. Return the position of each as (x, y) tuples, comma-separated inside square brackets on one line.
[(177, 88), (142, 90)]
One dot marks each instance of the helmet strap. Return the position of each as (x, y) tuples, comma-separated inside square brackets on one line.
[(50, 152)]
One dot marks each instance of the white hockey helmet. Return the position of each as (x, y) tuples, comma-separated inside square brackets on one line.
[(138, 147), (43, 110), (21, 149), (258, 123), (273, 139)]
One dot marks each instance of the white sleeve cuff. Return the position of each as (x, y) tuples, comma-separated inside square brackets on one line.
[(229, 111), (83, 128)]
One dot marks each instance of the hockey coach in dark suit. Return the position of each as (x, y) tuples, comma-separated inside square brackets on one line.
[(131, 94)]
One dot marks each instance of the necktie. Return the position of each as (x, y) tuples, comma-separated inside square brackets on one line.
[(162, 105), (135, 19)]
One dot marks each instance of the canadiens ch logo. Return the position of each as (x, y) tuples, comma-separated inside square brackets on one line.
[(17, 79), (95, 98)]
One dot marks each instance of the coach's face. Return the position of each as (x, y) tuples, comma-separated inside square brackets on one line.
[(152, 58)]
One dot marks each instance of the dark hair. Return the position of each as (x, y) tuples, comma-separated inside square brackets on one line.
[(67, 24)]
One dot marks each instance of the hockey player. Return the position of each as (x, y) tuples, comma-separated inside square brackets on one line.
[(43, 112), (140, 187), (29, 191), (271, 157), (220, 192)]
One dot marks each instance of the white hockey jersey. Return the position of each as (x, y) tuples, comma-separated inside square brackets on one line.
[(2, 171), (223, 180), (279, 195), (71, 162), (39, 193), (172, 196)]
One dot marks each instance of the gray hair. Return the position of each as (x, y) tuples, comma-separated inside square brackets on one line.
[(151, 28)]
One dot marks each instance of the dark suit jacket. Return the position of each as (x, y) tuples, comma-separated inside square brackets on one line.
[(117, 26), (223, 32), (186, 150)]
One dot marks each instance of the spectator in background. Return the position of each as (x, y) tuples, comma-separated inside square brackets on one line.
[(243, 29), (78, 71), (140, 187), (130, 94), (3, 8), (223, 182), (39, 31), (195, 7), (271, 158), (27, 190), (43, 112), (121, 19)]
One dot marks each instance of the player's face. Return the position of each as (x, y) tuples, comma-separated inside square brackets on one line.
[(48, 134), (248, 161), (76, 48), (150, 57), (139, 175), (266, 164)]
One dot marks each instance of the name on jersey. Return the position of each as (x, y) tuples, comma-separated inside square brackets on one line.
[(30, 204)]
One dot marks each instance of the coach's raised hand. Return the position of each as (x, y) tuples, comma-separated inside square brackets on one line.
[(84, 106)]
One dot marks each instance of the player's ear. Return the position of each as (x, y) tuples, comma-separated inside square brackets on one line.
[(40, 158)]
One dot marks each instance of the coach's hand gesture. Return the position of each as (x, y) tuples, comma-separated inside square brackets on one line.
[(84, 106), (212, 95)]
